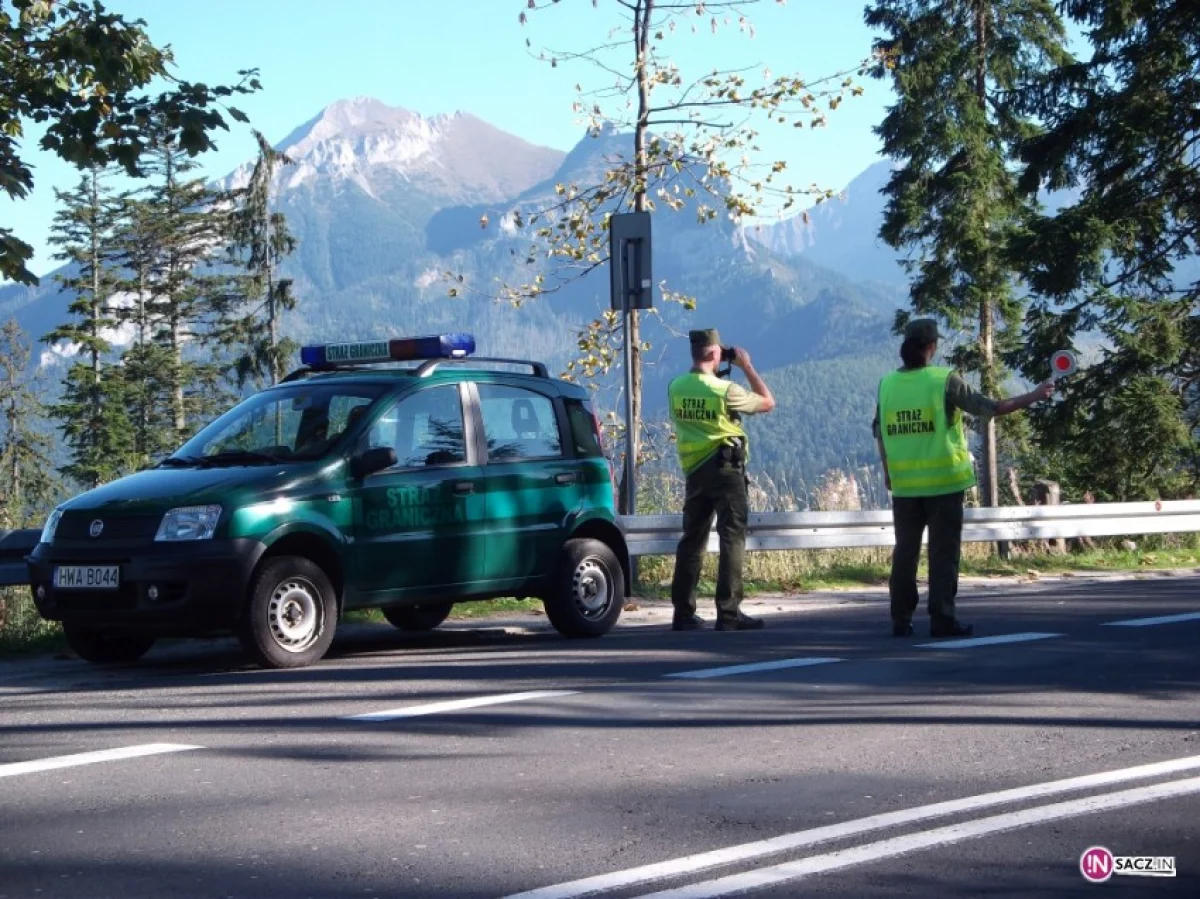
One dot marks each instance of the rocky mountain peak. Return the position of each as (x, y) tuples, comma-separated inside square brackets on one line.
[(376, 147)]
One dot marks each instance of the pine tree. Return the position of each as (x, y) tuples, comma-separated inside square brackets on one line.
[(260, 241), (91, 410), (145, 365), (184, 223), (1122, 133), (958, 67), (27, 485)]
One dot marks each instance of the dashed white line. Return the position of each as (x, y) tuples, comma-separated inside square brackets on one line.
[(953, 833), (1150, 622), (985, 641), (602, 883), (454, 705), (756, 666), (90, 758)]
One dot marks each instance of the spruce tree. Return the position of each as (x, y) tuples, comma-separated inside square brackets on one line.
[(186, 227), (27, 485), (260, 242), (958, 68), (1115, 270), (91, 409), (145, 365)]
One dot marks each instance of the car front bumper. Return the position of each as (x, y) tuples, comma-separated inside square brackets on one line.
[(196, 586)]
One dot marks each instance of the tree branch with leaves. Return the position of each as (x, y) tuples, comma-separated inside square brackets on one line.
[(666, 141), (82, 72)]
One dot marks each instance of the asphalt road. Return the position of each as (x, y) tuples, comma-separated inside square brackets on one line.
[(484, 761)]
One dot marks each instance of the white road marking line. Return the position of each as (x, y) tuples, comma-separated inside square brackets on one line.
[(953, 833), (756, 666), (985, 641), (90, 758), (454, 705), (602, 883), (1150, 622)]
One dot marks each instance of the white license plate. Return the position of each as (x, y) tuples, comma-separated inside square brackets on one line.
[(87, 577)]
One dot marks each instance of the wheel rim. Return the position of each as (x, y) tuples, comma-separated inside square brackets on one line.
[(591, 589), (296, 614)]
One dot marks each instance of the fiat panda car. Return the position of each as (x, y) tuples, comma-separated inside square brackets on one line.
[(355, 483)]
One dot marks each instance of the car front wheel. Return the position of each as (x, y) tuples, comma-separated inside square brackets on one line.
[(290, 615), (588, 590)]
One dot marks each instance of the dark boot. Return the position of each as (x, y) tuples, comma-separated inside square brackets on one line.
[(742, 622), (951, 628)]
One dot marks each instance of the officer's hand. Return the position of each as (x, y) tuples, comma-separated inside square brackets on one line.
[(741, 358), (1045, 390)]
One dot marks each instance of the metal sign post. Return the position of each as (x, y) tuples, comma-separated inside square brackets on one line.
[(631, 288)]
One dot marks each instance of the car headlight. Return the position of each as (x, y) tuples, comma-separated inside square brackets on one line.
[(51, 526), (189, 523)]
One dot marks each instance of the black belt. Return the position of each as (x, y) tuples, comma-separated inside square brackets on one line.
[(732, 455)]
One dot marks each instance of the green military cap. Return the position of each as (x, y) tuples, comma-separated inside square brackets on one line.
[(921, 330), (707, 337)]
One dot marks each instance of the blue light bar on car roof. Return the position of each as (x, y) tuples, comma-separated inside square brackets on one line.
[(402, 349)]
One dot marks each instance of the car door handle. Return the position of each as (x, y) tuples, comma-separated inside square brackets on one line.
[(567, 477), (462, 488)]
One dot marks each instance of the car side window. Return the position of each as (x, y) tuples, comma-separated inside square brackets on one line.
[(518, 423), (425, 429), (585, 431)]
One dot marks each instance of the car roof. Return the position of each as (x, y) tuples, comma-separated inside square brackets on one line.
[(451, 373)]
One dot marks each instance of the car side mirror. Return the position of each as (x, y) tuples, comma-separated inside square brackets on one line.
[(377, 458)]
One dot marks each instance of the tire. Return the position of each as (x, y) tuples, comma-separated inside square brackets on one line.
[(424, 617), (588, 592), (290, 615), (105, 647)]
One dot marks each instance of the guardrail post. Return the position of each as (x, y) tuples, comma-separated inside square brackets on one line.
[(1048, 493)]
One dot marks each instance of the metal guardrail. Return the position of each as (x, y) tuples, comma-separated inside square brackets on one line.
[(654, 535), (658, 535), (14, 547)]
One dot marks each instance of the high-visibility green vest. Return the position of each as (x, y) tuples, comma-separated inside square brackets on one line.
[(927, 453), (702, 423)]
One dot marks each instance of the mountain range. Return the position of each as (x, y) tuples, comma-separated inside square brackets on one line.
[(384, 202)]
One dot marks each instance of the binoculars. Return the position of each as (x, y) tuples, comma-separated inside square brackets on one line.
[(728, 353)]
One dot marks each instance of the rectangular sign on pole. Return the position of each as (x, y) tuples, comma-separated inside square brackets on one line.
[(630, 275)]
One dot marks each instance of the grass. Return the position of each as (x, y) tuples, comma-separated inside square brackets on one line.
[(22, 630), (482, 609), (1090, 562), (809, 570)]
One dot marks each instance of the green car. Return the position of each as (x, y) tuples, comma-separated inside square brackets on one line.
[(351, 485)]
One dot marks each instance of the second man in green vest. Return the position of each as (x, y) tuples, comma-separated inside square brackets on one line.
[(706, 410), (928, 467)]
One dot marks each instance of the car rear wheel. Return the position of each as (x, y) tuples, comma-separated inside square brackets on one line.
[(291, 614), (105, 647), (424, 617), (588, 590)]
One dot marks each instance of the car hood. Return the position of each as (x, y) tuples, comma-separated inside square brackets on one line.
[(159, 489)]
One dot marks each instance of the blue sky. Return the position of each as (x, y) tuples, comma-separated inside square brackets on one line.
[(470, 55)]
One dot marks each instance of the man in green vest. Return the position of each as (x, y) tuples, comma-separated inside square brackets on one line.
[(928, 468), (706, 412)]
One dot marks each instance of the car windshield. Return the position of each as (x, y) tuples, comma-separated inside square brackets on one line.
[(286, 424)]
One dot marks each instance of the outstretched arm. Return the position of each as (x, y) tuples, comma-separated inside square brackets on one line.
[(1043, 391)]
